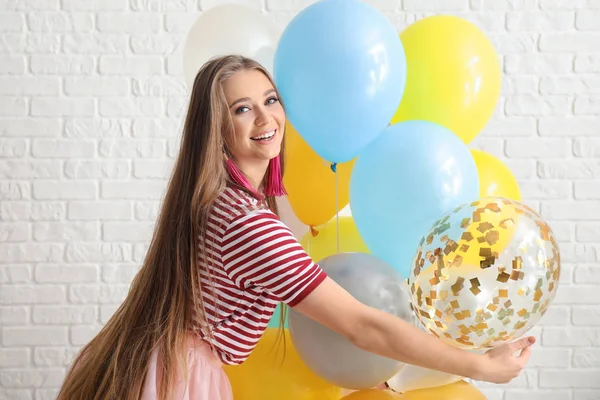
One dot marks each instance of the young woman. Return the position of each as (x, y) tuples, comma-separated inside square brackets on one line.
[(220, 261)]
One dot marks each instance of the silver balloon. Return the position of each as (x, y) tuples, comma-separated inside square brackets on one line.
[(329, 354)]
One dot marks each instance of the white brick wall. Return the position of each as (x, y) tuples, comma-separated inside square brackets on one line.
[(91, 99)]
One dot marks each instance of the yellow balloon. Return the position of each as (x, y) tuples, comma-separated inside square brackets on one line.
[(460, 390), (453, 75), (324, 244), (495, 178), (274, 372), (310, 182), (373, 394)]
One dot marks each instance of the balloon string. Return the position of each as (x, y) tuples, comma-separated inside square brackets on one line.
[(310, 235), (337, 205)]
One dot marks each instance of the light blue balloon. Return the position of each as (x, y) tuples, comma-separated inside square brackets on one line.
[(414, 172), (276, 318), (340, 68)]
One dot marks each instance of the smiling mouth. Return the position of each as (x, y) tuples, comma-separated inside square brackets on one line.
[(265, 136)]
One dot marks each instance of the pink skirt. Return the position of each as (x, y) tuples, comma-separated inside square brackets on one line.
[(206, 378)]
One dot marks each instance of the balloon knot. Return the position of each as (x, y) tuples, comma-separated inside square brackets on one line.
[(334, 167), (313, 231)]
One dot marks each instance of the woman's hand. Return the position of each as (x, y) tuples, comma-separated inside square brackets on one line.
[(501, 364)]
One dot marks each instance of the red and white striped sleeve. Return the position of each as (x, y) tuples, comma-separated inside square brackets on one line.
[(258, 249)]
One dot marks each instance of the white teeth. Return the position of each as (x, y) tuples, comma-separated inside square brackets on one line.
[(267, 135)]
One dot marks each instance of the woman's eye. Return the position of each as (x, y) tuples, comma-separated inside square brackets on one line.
[(272, 100), (241, 109)]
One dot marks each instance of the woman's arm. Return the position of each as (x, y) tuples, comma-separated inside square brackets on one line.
[(258, 249), (384, 334)]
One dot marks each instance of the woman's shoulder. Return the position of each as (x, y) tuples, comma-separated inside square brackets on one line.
[(233, 203)]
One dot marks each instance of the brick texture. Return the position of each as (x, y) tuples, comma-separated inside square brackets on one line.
[(91, 100)]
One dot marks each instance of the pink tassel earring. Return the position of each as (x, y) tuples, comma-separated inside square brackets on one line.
[(237, 176), (274, 179)]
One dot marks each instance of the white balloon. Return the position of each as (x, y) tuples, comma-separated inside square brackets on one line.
[(229, 29), (412, 377)]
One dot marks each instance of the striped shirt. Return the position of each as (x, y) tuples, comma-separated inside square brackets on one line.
[(256, 263)]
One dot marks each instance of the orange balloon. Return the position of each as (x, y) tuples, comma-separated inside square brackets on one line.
[(310, 182), (460, 390), (373, 394), (274, 371)]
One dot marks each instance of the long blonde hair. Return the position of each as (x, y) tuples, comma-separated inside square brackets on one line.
[(167, 292)]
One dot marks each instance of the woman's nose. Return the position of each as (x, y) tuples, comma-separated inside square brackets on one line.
[(263, 117)]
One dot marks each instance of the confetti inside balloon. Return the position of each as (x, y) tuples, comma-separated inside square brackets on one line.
[(485, 273)]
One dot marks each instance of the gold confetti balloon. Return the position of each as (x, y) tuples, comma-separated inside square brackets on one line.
[(485, 273)]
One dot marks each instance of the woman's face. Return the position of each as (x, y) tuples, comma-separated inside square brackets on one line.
[(258, 117)]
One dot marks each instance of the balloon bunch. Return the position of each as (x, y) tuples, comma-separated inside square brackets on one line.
[(437, 235)]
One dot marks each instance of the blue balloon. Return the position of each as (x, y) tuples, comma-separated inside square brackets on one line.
[(340, 68), (275, 320), (403, 182)]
